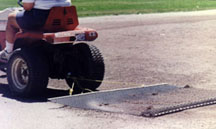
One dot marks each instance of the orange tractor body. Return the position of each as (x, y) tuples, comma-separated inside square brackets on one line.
[(54, 51)]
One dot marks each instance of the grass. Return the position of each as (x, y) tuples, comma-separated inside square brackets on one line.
[(115, 7)]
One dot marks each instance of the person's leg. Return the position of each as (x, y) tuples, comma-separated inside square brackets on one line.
[(27, 20), (12, 27), (11, 30)]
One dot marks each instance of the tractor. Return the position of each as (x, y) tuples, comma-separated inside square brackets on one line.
[(55, 51)]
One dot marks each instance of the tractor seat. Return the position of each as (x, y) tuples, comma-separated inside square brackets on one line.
[(59, 19)]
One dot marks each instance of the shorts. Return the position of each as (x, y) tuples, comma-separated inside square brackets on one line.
[(33, 19)]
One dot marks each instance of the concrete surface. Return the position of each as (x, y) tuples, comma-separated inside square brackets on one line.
[(173, 48)]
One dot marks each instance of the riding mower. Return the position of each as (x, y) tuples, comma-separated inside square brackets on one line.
[(55, 51)]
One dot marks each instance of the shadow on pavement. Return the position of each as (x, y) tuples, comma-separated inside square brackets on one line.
[(49, 93)]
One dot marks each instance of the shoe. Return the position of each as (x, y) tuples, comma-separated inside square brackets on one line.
[(4, 56)]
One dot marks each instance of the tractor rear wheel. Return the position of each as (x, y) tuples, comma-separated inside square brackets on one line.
[(27, 72), (87, 69)]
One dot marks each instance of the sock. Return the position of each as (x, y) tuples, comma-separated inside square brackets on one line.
[(9, 47)]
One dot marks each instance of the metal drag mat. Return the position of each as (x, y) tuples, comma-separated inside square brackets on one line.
[(150, 101)]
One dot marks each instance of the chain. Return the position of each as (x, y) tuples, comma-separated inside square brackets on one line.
[(75, 81), (108, 82)]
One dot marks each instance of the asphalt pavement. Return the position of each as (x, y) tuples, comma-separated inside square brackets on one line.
[(174, 48)]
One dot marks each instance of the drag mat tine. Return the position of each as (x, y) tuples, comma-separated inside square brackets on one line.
[(178, 108)]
